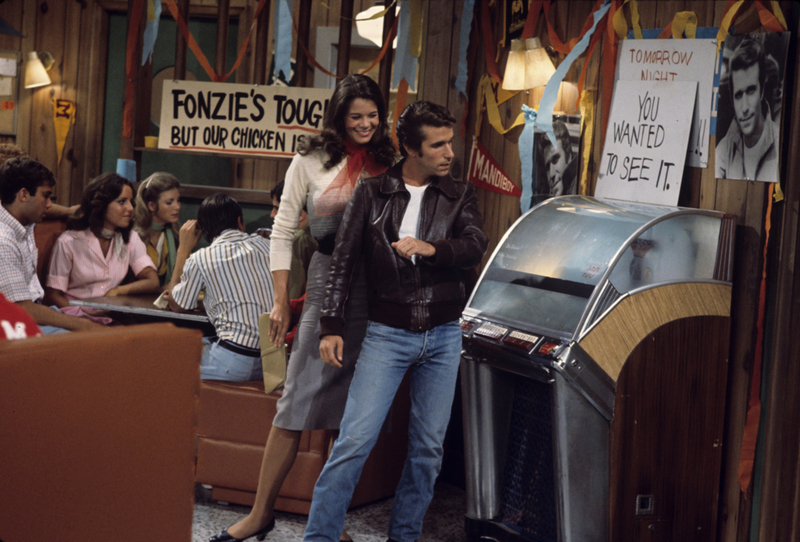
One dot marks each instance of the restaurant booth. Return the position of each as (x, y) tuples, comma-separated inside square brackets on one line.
[(593, 342)]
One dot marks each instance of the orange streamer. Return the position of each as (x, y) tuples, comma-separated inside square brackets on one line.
[(130, 67)]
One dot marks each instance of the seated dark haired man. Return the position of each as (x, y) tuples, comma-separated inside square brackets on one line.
[(234, 273), (26, 187)]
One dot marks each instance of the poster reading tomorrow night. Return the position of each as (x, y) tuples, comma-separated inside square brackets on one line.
[(250, 120)]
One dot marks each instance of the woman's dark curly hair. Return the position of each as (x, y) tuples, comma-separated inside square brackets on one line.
[(96, 197), (331, 140)]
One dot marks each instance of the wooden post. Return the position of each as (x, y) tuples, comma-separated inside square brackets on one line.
[(262, 35), (126, 142), (221, 53), (180, 42), (303, 32), (385, 71), (345, 34)]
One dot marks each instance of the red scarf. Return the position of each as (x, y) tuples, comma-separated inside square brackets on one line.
[(338, 193)]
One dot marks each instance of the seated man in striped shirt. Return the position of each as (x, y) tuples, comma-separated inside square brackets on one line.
[(234, 273)]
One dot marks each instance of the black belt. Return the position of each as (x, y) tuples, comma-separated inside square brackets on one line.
[(327, 244), (237, 348)]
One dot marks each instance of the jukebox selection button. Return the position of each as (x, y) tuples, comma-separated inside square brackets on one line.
[(466, 326), (521, 340), (548, 347), (491, 331)]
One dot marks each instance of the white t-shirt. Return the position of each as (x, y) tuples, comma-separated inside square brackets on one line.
[(410, 225)]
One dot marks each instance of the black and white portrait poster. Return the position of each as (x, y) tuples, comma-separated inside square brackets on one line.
[(556, 167), (750, 103)]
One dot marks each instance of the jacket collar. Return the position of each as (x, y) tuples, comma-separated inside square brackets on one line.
[(393, 182)]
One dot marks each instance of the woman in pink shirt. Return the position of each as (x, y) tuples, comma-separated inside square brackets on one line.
[(92, 258)]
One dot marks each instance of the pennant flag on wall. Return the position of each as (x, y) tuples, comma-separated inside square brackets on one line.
[(63, 116), (484, 172)]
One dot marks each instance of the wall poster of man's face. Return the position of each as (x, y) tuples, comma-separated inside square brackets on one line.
[(750, 103), (557, 166)]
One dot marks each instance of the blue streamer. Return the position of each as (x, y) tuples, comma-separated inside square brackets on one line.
[(527, 157), (544, 120), (405, 65), (150, 33), (463, 44), (283, 39), (127, 169)]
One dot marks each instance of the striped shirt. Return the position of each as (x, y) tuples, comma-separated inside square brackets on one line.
[(18, 255), (235, 274)]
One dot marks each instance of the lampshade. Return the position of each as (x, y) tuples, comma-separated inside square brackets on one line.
[(528, 65), (538, 66), (514, 78), (35, 74)]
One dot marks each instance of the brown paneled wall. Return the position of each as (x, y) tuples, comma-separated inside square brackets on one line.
[(76, 32)]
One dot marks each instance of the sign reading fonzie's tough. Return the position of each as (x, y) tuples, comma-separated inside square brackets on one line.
[(248, 120), (646, 141)]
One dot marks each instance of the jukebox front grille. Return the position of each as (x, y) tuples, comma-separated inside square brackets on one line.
[(528, 502)]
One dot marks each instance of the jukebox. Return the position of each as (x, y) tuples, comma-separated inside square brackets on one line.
[(584, 299)]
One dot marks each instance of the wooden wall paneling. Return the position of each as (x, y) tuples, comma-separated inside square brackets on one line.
[(246, 73), (779, 513), (68, 90), (345, 38), (303, 65), (49, 34), (89, 97), (24, 15), (13, 16)]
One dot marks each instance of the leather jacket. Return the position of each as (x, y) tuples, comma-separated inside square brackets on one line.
[(402, 294)]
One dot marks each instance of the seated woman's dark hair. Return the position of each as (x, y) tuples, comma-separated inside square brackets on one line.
[(331, 140), (218, 213), (97, 195)]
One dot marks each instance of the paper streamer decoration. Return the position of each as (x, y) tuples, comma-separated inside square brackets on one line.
[(544, 118), (150, 30), (127, 169), (527, 158), (134, 19), (283, 39), (492, 110), (405, 65), (463, 45), (63, 117), (587, 129), (415, 34)]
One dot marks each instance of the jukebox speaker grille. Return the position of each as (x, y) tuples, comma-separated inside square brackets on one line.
[(528, 502)]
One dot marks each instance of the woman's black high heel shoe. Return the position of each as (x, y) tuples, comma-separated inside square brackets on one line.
[(223, 536)]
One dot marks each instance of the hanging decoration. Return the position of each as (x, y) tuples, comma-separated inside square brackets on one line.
[(527, 157), (198, 53), (134, 19), (544, 118), (150, 30), (283, 39), (484, 172), (463, 46), (63, 117), (405, 63), (587, 108)]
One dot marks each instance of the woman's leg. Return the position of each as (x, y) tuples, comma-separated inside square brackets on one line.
[(279, 455)]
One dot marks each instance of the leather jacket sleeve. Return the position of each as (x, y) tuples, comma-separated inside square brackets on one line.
[(468, 244), (345, 256)]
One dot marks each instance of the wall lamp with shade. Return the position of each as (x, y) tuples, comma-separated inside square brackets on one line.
[(36, 69), (528, 65)]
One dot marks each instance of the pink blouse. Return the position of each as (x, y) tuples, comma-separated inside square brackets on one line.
[(79, 269)]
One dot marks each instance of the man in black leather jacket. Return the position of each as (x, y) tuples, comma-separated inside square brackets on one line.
[(418, 232)]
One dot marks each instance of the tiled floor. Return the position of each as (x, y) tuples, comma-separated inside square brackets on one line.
[(444, 521)]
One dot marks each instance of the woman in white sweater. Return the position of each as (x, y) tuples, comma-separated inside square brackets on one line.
[(354, 143)]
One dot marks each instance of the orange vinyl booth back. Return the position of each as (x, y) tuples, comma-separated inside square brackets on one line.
[(98, 434)]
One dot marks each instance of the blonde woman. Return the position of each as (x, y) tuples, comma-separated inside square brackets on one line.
[(158, 205)]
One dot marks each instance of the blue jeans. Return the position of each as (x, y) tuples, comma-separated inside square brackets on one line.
[(386, 354), (219, 363)]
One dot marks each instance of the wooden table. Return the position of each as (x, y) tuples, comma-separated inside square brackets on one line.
[(140, 305)]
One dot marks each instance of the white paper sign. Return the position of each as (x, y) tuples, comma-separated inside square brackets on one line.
[(645, 146), (8, 67), (6, 86), (249, 120), (676, 60)]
